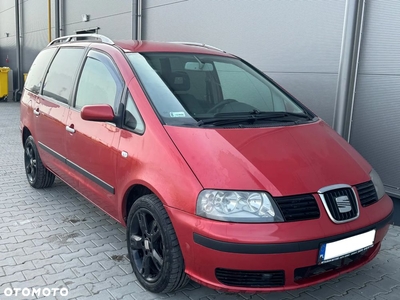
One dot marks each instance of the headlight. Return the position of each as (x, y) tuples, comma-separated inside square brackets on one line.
[(236, 206), (376, 180)]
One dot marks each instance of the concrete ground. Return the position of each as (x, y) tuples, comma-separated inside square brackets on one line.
[(55, 238)]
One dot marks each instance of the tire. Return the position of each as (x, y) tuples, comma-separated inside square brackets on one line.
[(153, 247), (36, 173)]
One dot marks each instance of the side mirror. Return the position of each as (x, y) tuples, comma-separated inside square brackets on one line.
[(98, 112)]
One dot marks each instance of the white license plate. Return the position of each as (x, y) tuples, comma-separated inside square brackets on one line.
[(346, 247)]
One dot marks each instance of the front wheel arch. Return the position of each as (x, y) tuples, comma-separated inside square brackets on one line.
[(132, 194)]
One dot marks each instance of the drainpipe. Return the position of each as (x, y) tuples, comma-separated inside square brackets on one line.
[(49, 20), (139, 20), (57, 18), (17, 92), (61, 18), (134, 20), (359, 32), (348, 66)]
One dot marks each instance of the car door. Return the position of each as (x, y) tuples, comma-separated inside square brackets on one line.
[(92, 146), (52, 106)]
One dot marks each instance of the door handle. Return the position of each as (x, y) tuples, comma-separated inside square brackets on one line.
[(70, 129), (36, 112)]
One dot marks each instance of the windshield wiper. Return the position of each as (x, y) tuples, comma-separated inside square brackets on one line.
[(221, 119)]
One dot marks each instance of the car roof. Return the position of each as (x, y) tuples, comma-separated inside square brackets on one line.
[(181, 47)]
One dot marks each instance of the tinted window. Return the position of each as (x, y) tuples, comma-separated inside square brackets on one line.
[(99, 83), (62, 73), (36, 72)]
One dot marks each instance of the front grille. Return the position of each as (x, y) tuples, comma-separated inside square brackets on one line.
[(254, 279), (298, 208), (367, 193), (344, 211)]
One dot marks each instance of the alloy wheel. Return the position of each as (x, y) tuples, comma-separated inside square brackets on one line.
[(30, 163), (146, 243)]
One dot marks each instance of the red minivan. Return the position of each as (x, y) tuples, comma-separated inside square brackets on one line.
[(219, 174)]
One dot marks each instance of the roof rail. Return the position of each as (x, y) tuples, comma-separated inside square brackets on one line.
[(200, 45), (77, 37)]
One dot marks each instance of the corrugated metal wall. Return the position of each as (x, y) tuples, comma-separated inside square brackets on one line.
[(376, 126), (34, 30), (297, 43), (114, 18)]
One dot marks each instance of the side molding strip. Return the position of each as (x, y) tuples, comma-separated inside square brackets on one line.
[(95, 179)]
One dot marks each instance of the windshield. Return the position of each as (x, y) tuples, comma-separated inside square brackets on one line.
[(203, 90)]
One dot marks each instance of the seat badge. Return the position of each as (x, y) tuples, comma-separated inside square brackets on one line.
[(343, 204)]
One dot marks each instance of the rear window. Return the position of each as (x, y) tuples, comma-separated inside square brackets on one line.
[(36, 72)]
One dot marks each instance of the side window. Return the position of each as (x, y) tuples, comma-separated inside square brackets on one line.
[(132, 118), (100, 82), (36, 72), (60, 79)]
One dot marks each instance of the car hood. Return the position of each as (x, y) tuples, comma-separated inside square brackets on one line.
[(281, 160)]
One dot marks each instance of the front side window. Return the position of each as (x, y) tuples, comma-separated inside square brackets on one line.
[(99, 82), (197, 89), (36, 72), (61, 76)]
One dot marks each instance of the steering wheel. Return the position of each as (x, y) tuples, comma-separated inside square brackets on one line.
[(217, 107)]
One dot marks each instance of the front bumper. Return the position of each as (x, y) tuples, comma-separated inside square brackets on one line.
[(272, 257)]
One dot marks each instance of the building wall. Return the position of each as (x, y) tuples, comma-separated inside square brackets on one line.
[(114, 18), (34, 30), (376, 126), (7, 43), (297, 43)]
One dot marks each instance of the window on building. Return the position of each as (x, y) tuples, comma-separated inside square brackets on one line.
[(88, 31)]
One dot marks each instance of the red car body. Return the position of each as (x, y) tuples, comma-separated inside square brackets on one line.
[(177, 163)]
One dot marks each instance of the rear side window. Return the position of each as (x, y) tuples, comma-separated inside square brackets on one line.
[(60, 79), (100, 82), (36, 72)]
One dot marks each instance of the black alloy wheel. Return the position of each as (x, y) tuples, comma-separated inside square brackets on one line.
[(153, 247), (30, 163), (38, 176), (147, 246)]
